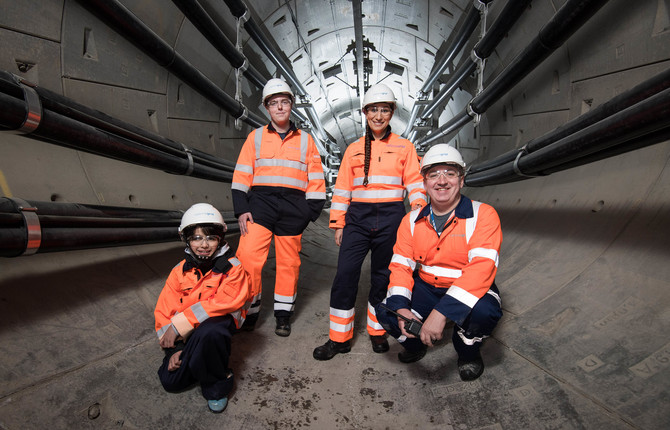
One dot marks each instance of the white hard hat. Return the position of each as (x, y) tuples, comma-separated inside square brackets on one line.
[(379, 93), (441, 154), (201, 213), (276, 86)]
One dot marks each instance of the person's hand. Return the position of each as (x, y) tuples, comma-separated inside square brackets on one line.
[(169, 337), (416, 206), (174, 362), (242, 221), (401, 322), (432, 328), (338, 236)]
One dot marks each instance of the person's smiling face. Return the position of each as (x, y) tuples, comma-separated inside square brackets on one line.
[(443, 184), (378, 115)]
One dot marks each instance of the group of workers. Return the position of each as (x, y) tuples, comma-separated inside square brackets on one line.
[(432, 265)]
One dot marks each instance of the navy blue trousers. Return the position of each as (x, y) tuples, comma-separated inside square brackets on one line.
[(480, 323), (369, 227), (204, 359)]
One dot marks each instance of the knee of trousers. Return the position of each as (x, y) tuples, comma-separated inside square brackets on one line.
[(483, 318)]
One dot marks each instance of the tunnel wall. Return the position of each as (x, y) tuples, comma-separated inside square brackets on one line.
[(583, 269)]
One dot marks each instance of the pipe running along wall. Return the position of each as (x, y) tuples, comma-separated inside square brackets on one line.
[(562, 25), (74, 126), (29, 227), (118, 17)]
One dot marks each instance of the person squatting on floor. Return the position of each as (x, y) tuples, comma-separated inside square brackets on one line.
[(204, 300), (278, 188), (444, 265), (367, 207)]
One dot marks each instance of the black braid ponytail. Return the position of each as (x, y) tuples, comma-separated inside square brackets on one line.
[(368, 150)]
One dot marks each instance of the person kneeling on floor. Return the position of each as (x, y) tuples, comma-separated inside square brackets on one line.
[(444, 264), (204, 300)]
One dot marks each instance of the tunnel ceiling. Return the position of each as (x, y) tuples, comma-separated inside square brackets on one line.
[(318, 38)]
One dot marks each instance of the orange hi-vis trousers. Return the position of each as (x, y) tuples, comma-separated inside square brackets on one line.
[(253, 252)]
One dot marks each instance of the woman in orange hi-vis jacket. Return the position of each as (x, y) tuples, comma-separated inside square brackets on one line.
[(278, 188), (205, 299), (376, 174)]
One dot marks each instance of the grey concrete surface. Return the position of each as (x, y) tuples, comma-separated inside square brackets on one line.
[(96, 367)]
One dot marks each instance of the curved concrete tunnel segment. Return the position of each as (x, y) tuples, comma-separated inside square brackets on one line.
[(583, 271)]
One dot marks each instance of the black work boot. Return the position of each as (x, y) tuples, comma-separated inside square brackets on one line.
[(283, 326), (330, 349), (469, 370), (408, 356), (379, 344)]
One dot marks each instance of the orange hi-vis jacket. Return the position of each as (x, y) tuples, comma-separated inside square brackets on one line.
[(189, 297), (394, 171), (266, 160), (462, 259)]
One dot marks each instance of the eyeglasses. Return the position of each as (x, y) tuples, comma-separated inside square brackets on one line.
[(197, 240), (374, 110), (449, 174), (283, 102)]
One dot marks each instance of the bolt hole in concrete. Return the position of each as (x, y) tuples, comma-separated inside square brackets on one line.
[(94, 411), (599, 206)]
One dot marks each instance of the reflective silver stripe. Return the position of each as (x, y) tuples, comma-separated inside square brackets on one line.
[(417, 196), (315, 176), (315, 195), (261, 180), (411, 187), (471, 223), (491, 254), (339, 206), (468, 341), (161, 331), (277, 162), (244, 168), (285, 299), (258, 138), (342, 193), (238, 186), (199, 312), (399, 291), (377, 194), (341, 313), (342, 328), (303, 146), (497, 297), (234, 261), (283, 307), (441, 271), (412, 220), (388, 180), (462, 296), (399, 259), (374, 324)]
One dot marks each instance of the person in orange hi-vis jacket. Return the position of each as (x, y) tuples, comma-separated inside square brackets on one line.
[(278, 188), (377, 172), (444, 264), (204, 300)]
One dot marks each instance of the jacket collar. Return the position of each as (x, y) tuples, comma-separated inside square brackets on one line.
[(291, 127), (463, 209)]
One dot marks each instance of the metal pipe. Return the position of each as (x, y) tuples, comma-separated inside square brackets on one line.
[(206, 25), (482, 50), (562, 25), (239, 9), (469, 25), (646, 121), (81, 113), (64, 131), (70, 226), (118, 17), (626, 99)]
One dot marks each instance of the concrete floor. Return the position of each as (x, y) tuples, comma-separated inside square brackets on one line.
[(278, 383)]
